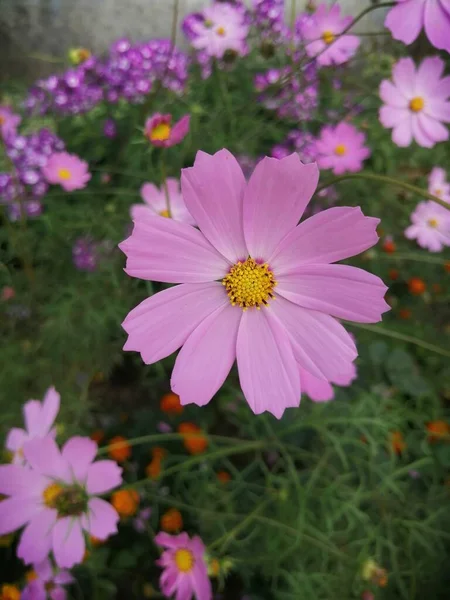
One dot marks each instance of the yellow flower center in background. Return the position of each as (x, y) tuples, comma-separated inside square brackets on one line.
[(328, 37), (160, 133), (165, 213), (433, 223), (64, 174), (184, 559), (417, 104), (220, 31), (438, 192), (249, 284), (340, 150), (51, 494)]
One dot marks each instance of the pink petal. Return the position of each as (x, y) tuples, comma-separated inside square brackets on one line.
[(153, 197), (392, 95), (268, 371), (15, 439), (102, 519), (440, 111), (317, 389), (32, 416), (44, 570), (162, 249), (44, 457), (276, 196), (437, 25), (19, 480), (420, 137), (184, 588), (103, 476), (201, 582), (15, 512), (391, 116), (207, 356), (213, 190), (49, 410), (79, 452), (429, 74), (162, 323), (432, 128), (347, 377), (342, 291), (402, 133), (168, 541), (36, 540), (404, 76), (68, 542), (180, 130), (328, 236), (405, 21)]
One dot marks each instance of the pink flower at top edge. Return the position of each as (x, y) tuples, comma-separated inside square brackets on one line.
[(54, 497), (255, 286), (322, 391), (47, 584), (322, 29), (67, 170), (184, 568), (341, 148), (408, 17), (39, 418), (9, 122), (416, 102), (438, 184), (161, 133), (430, 226), (156, 201)]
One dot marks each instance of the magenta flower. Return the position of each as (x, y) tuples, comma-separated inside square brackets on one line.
[(39, 418), (438, 185), (430, 226), (222, 28), (160, 132), (406, 20), (249, 251), (157, 203), (322, 30), (185, 572), (416, 102), (322, 391), (341, 148), (69, 171), (47, 584), (8, 122), (54, 496)]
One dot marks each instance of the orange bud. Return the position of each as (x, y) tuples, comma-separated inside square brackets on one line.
[(447, 266), (170, 404), (438, 431), (119, 449), (223, 476), (126, 502), (397, 442), (98, 436), (158, 452), (416, 286), (153, 469), (389, 246), (393, 274), (405, 313), (171, 521), (193, 439)]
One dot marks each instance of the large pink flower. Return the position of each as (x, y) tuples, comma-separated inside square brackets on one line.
[(47, 584), (54, 496), (8, 122), (156, 202), (409, 16), (222, 28), (438, 184), (321, 33), (39, 418), (322, 391), (161, 133), (68, 170), (341, 148), (416, 102), (254, 286), (430, 226), (185, 573)]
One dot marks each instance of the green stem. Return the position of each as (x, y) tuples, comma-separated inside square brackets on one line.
[(414, 257), (226, 99)]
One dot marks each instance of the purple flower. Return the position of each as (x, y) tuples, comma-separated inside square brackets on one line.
[(47, 583), (298, 141), (8, 122), (110, 128), (85, 254), (341, 148), (140, 521)]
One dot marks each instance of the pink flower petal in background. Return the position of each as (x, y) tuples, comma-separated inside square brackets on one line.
[(67, 170), (156, 201), (341, 148), (430, 226), (161, 133)]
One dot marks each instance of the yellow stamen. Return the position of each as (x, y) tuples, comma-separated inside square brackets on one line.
[(184, 559), (64, 174), (250, 284), (417, 104), (220, 31), (340, 150), (51, 494), (433, 223), (328, 37), (438, 192), (165, 213), (160, 133)]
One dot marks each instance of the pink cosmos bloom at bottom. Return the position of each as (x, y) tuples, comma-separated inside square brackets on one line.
[(438, 185), (54, 496), (156, 201), (341, 149), (184, 569), (47, 584), (322, 391), (430, 226), (67, 170)]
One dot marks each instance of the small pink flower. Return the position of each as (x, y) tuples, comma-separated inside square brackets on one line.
[(8, 122), (322, 30), (341, 148), (322, 391), (54, 497), (48, 584), (406, 20), (416, 102), (68, 170), (185, 572), (160, 132), (438, 185), (430, 226), (8, 293), (222, 29), (39, 418), (255, 286), (156, 202)]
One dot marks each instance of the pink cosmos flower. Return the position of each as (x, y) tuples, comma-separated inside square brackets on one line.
[(438, 185), (68, 170), (54, 496), (322, 391), (248, 252), (406, 20), (185, 572), (341, 148), (8, 122), (223, 28), (156, 202), (430, 226), (416, 102), (39, 418), (47, 584), (160, 132), (322, 30)]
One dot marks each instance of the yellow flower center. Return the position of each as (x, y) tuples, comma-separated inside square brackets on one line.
[(9, 592), (160, 133), (2, 120), (64, 174), (249, 284), (165, 213), (433, 223), (67, 500), (340, 150), (438, 192), (220, 31), (51, 495), (184, 559), (30, 575), (417, 104), (328, 37)]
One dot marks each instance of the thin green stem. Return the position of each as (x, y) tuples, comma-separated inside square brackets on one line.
[(414, 257)]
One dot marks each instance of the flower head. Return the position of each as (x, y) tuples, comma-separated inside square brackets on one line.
[(160, 132), (194, 440), (438, 431), (341, 148), (54, 496), (46, 583), (430, 226), (69, 171), (397, 442), (8, 122), (9, 592), (438, 185), (39, 418), (140, 523), (254, 286), (170, 404), (416, 102), (119, 449), (171, 521), (126, 502), (185, 572), (166, 202)]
